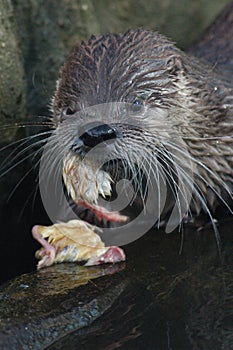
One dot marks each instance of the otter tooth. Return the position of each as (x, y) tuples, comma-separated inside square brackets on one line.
[(84, 181), (104, 180), (90, 196)]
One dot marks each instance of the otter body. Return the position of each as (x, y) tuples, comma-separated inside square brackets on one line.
[(194, 90)]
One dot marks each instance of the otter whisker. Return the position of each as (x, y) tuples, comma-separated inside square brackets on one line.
[(162, 155), (138, 175), (217, 178), (25, 124), (16, 164), (22, 143), (33, 194), (22, 179), (198, 192), (55, 153), (171, 174), (25, 139), (156, 174)]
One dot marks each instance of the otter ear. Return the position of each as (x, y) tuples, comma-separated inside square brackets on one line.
[(175, 64)]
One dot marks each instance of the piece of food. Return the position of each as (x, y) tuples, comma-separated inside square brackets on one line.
[(74, 241), (84, 182)]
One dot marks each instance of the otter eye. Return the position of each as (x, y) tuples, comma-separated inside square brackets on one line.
[(137, 105), (68, 111), (138, 102)]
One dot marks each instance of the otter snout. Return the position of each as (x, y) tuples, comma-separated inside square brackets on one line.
[(92, 137)]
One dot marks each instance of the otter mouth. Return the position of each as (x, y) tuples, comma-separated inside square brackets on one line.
[(85, 183)]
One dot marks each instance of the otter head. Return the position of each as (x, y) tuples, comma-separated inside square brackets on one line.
[(146, 71)]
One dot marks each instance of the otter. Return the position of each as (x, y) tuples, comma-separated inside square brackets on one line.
[(191, 95)]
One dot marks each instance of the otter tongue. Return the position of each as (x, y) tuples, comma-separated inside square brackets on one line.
[(103, 213)]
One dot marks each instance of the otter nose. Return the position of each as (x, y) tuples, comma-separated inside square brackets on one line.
[(92, 137), (98, 134)]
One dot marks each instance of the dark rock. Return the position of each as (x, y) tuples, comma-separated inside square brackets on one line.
[(41, 307)]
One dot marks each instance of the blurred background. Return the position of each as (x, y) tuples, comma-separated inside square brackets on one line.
[(36, 36)]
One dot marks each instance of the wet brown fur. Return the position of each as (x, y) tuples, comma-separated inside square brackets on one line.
[(194, 88)]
